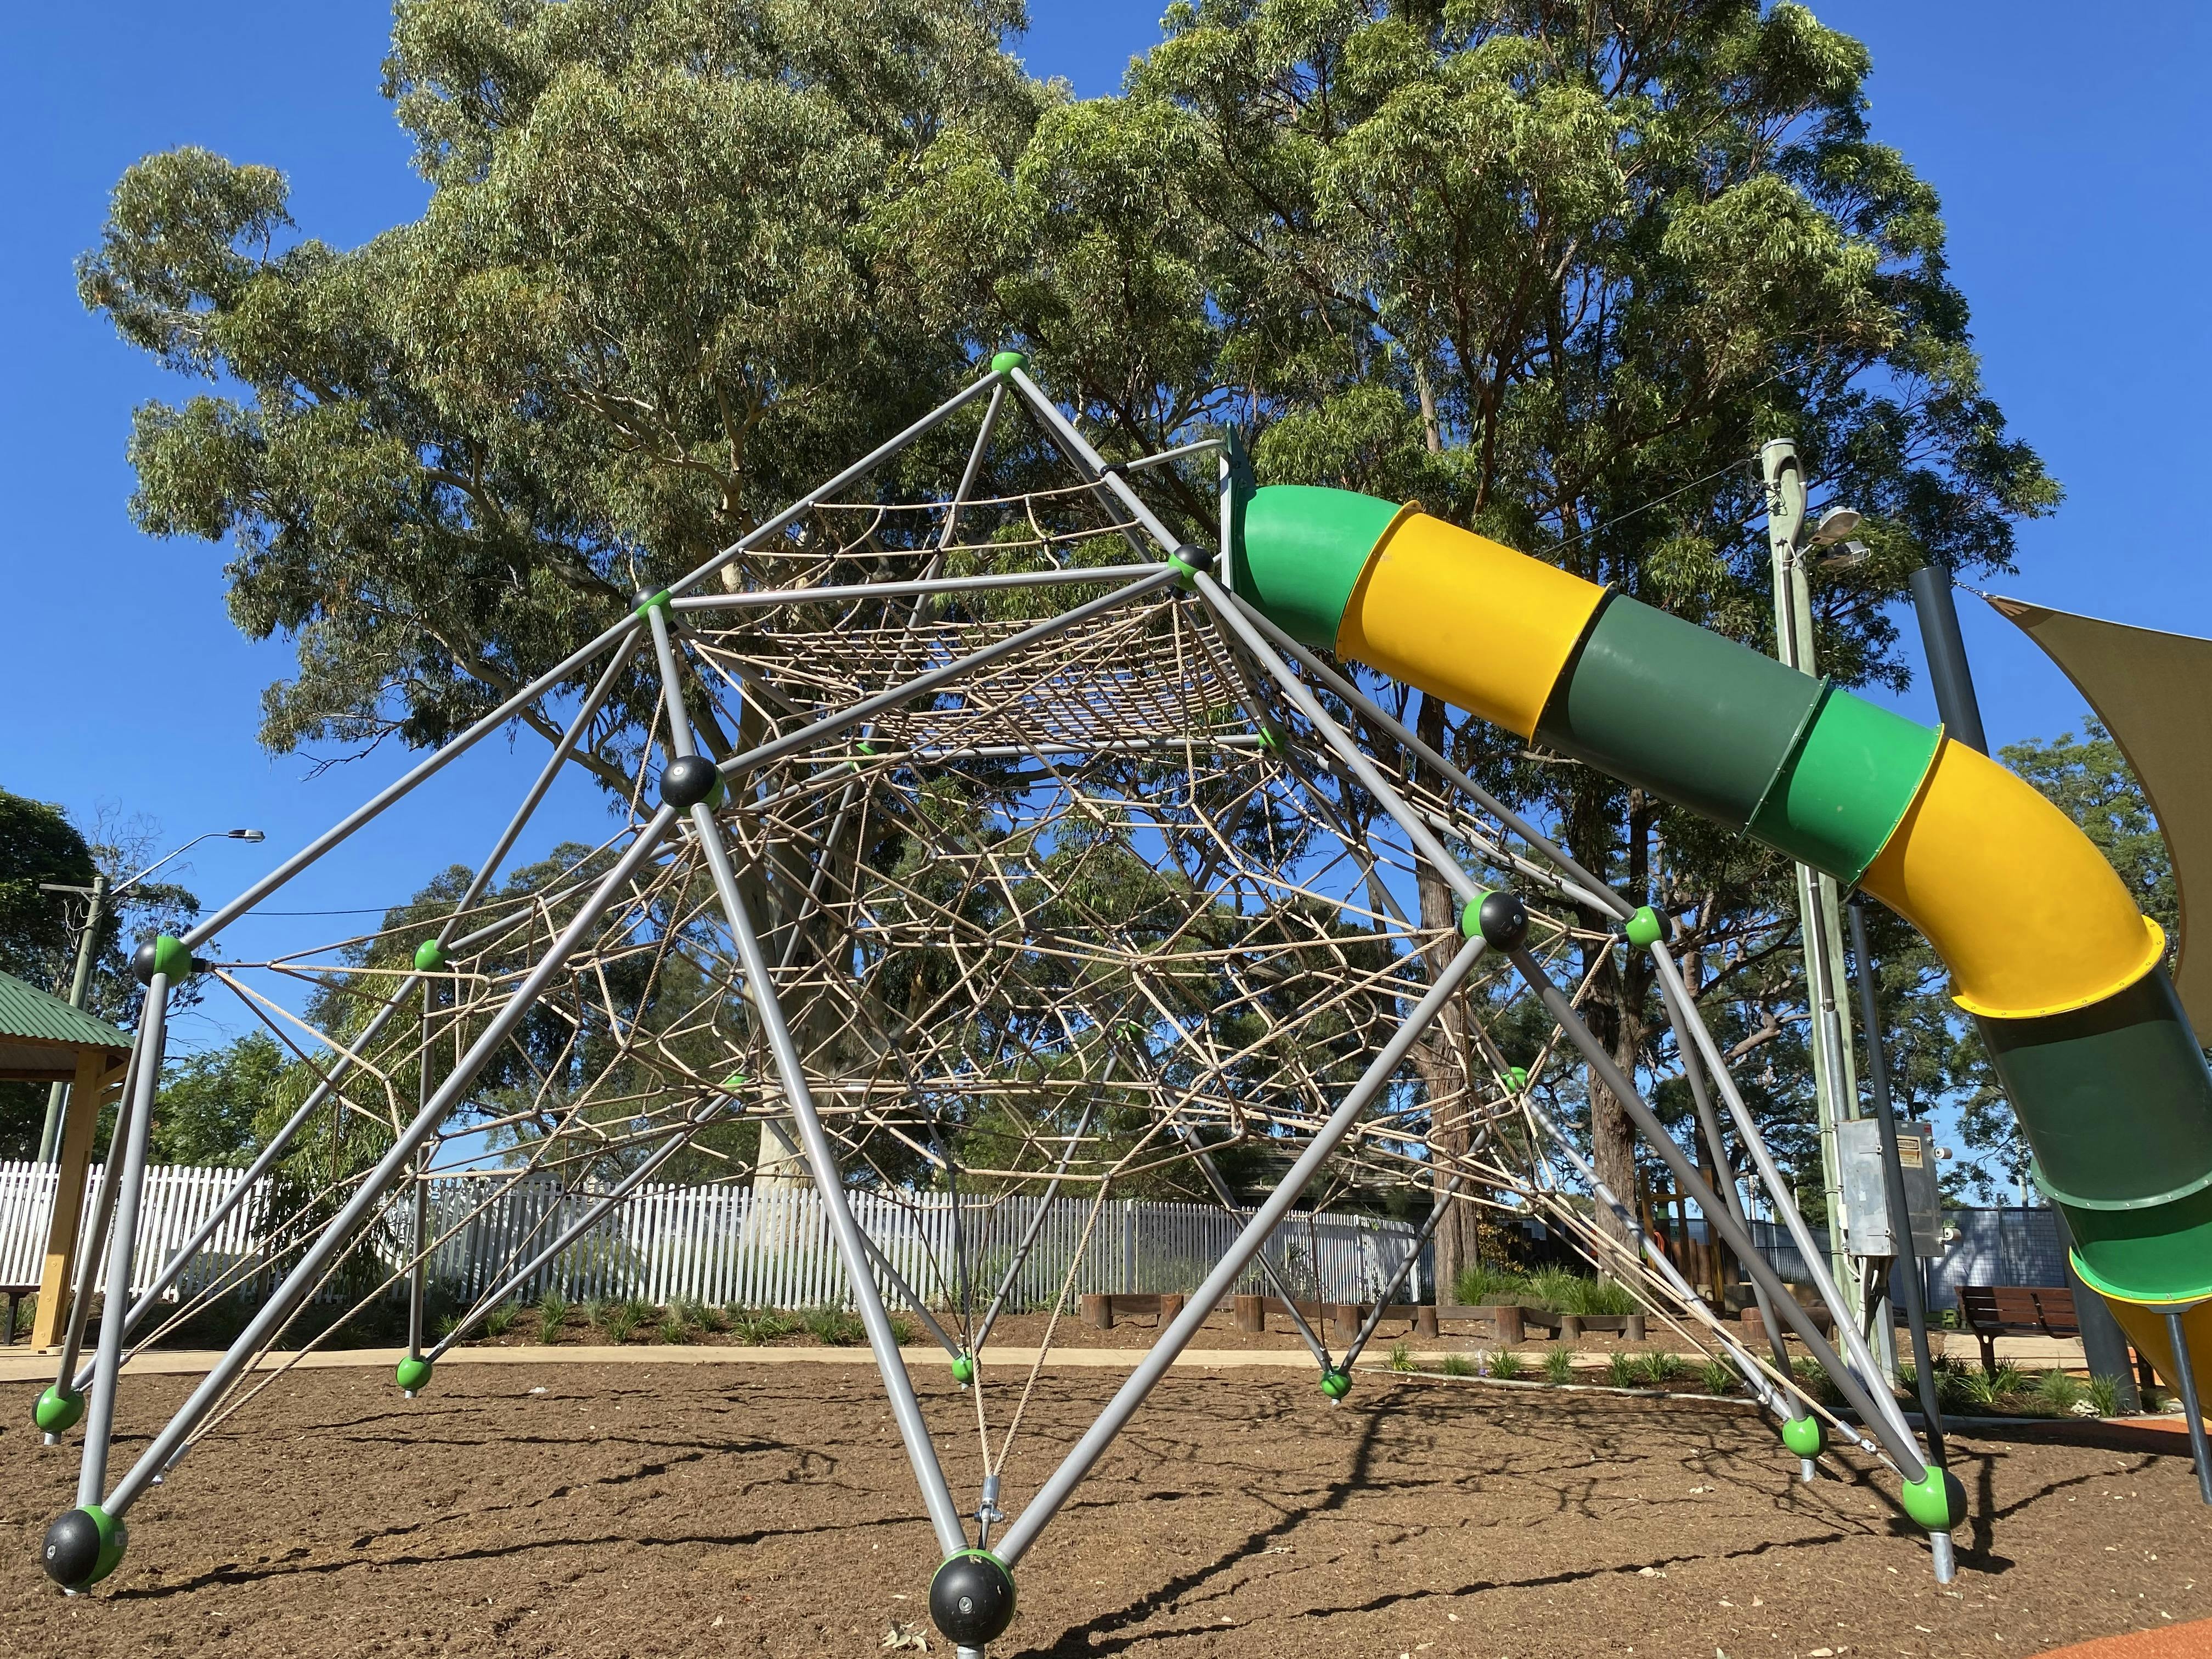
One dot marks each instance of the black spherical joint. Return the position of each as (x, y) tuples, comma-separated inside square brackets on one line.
[(143, 969), (79, 1552), (971, 1598), (1503, 921), (688, 779)]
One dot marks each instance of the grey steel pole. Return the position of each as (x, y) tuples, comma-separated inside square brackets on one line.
[(1313, 1344), (1092, 1446), (1892, 1167), (1709, 1125), (80, 983), (284, 1301), (94, 1247), (1426, 1231), (1945, 647), (418, 1271), (1899, 1444), (828, 1182), (2185, 1381), (122, 1243)]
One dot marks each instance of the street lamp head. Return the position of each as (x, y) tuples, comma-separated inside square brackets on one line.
[(246, 835), (1836, 523)]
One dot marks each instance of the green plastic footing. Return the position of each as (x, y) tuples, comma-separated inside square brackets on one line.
[(1803, 1436), (1006, 362), (1336, 1383), (963, 1370), (1936, 1500), (58, 1410), (413, 1374), (429, 957), (1516, 1078), (1644, 929)]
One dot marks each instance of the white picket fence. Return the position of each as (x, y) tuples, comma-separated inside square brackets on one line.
[(729, 1245)]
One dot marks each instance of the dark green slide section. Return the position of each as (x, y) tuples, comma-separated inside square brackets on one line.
[(2108, 1094), (1316, 542), (1844, 791), (1700, 719)]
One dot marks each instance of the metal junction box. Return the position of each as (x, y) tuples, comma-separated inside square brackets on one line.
[(1866, 1206)]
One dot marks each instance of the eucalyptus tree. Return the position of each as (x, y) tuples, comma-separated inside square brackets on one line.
[(1556, 269)]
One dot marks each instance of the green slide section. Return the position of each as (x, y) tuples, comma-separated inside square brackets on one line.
[(2119, 1108), (1852, 780), (1317, 542)]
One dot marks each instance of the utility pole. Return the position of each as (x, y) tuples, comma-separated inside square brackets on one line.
[(1820, 914), (80, 986)]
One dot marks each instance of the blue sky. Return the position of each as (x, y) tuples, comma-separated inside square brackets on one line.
[(2068, 175)]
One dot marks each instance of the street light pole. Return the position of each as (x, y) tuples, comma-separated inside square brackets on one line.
[(88, 945), (1835, 1083)]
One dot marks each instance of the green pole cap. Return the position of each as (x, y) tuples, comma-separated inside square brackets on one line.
[(413, 1374), (1006, 362), (58, 1410), (1336, 1382), (429, 957), (1645, 928), (650, 600), (1936, 1500), (165, 954), (1802, 1435), (731, 1084), (1516, 1078), (963, 1370)]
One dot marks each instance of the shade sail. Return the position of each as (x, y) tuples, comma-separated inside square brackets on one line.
[(2154, 693)]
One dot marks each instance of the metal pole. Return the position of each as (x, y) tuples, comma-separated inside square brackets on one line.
[(829, 1182), (418, 1272), (287, 1297), (1219, 1282), (2184, 1380), (122, 1243), (95, 1243), (1318, 1348), (1894, 1439), (1893, 1169), (80, 983), (1036, 1226), (1421, 1236)]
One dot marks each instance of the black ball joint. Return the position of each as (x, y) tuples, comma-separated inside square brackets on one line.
[(689, 779), (78, 1553), (1504, 921), (971, 1598)]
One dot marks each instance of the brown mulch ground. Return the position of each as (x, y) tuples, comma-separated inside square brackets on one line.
[(710, 1511)]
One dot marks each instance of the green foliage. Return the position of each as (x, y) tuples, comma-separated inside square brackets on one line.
[(38, 844), (1814, 1381), (1559, 1364), (675, 1329), (1482, 1286), (619, 1322), (1401, 1356), (499, 1319), (1457, 1364), (1623, 1370), (1714, 1377), (212, 1104), (552, 1317), (2058, 1393), (1993, 1390), (757, 1326), (835, 1327), (2105, 1396), (1507, 1365), (1660, 1368)]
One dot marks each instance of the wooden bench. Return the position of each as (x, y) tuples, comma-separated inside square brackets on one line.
[(1993, 1310), (1104, 1309), (15, 1293)]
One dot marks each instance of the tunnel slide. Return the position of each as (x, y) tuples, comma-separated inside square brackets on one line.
[(2047, 951)]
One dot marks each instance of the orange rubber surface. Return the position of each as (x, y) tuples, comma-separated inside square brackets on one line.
[(2191, 1641)]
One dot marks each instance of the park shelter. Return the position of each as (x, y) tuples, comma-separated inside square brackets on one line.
[(43, 1040)]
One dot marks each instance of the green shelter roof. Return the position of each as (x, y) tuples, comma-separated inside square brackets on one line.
[(30, 1015)]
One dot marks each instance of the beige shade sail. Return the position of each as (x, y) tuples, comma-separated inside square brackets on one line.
[(2154, 693)]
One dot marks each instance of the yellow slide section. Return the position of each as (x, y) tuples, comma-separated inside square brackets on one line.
[(2020, 905), (1466, 619)]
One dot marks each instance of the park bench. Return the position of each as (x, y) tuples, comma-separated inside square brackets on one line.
[(15, 1293), (1993, 1310)]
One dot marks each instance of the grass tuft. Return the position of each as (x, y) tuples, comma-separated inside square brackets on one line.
[(1507, 1363), (1401, 1356), (552, 1315), (1559, 1364), (1714, 1377), (1458, 1364)]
